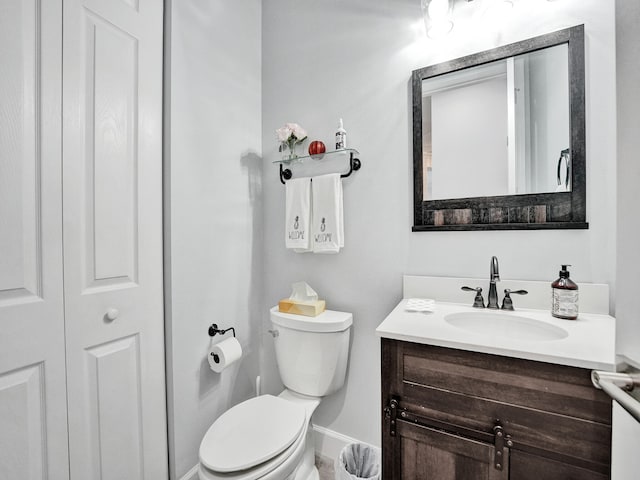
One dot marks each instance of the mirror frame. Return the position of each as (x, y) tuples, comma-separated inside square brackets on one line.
[(554, 210)]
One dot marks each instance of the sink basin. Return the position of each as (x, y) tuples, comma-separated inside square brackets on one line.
[(501, 324)]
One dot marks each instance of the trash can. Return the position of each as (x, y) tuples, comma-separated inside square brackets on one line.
[(358, 461)]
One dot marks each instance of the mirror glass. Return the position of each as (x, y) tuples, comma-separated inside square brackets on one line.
[(499, 128)]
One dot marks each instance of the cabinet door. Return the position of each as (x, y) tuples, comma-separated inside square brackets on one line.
[(525, 466), (113, 239), (427, 454), (33, 403)]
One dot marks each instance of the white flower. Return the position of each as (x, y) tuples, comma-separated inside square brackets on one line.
[(298, 132), (291, 132), (283, 133)]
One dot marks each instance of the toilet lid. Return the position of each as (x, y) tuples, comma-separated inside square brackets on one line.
[(251, 433)]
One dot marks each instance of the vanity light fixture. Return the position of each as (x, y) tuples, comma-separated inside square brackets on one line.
[(437, 17), (438, 14)]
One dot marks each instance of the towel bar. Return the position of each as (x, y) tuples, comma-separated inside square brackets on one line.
[(618, 386), (354, 165)]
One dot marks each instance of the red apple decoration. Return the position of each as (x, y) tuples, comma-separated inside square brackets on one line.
[(317, 149)]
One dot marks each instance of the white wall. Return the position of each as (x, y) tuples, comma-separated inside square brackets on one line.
[(213, 217), (628, 126), (353, 59)]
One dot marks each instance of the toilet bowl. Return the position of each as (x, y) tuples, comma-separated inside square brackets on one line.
[(271, 438)]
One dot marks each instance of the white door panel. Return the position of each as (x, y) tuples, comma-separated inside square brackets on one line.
[(114, 409), (21, 147), (33, 421), (111, 173), (113, 239), (22, 412)]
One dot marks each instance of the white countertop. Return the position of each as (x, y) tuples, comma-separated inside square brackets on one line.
[(590, 342)]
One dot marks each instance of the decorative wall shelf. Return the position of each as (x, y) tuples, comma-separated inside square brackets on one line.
[(354, 163)]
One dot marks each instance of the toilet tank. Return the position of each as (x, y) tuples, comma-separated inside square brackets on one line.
[(312, 352)]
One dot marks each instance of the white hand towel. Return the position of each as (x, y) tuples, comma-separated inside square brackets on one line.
[(298, 214), (327, 218)]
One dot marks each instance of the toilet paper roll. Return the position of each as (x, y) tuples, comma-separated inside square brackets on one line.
[(223, 354)]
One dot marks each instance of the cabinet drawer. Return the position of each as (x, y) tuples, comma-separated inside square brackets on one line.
[(548, 411), (536, 385)]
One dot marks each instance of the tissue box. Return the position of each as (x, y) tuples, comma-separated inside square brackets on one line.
[(299, 307)]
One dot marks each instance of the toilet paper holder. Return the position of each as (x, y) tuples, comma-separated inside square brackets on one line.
[(214, 330)]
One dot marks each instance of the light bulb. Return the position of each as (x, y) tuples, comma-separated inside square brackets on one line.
[(438, 9), (437, 17)]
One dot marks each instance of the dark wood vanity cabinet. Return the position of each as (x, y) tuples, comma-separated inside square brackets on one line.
[(455, 415)]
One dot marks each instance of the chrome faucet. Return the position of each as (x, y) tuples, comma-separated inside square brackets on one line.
[(494, 276)]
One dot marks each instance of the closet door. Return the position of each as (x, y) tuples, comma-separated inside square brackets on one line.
[(33, 421), (112, 169)]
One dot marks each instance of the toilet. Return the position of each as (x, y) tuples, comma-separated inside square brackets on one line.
[(271, 438)]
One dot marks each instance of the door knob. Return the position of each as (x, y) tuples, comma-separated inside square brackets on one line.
[(112, 313)]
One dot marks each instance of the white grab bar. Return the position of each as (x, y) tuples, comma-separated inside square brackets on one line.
[(618, 386)]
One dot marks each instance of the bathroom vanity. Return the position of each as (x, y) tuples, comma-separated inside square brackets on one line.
[(512, 401), (455, 414)]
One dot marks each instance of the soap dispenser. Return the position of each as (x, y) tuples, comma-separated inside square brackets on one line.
[(564, 296), (341, 136)]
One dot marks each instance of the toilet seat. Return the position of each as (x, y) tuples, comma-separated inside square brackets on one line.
[(278, 468), (253, 438)]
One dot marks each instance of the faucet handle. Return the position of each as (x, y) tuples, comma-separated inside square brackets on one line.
[(478, 301), (507, 303)]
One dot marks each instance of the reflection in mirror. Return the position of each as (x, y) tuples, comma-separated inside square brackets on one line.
[(501, 128)]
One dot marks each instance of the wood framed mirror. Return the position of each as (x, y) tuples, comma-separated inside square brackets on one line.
[(499, 138)]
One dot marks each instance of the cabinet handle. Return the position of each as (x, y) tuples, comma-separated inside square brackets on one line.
[(112, 314), (390, 413)]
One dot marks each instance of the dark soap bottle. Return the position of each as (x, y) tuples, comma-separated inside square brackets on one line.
[(564, 296)]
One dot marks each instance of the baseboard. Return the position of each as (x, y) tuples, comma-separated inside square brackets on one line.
[(329, 444), (191, 474)]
